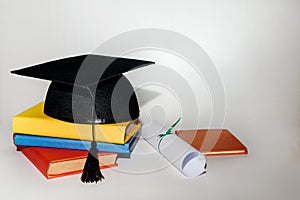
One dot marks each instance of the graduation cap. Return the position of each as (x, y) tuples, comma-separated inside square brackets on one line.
[(74, 78), (89, 89)]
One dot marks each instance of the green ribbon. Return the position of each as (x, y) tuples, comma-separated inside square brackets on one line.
[(168, 132)]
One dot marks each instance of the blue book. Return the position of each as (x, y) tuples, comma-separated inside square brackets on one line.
[(52, 142)]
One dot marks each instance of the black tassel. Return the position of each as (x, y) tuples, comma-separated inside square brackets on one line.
[(91, 172)]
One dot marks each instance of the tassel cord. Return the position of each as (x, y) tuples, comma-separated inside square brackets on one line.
[(91, 172)]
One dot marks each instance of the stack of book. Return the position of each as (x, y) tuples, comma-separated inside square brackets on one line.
[(58, 148)]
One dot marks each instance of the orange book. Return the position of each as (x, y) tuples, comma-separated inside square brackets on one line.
[(53, 162), (213, 142)]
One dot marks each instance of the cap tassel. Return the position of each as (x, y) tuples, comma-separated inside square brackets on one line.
[(91, 172)]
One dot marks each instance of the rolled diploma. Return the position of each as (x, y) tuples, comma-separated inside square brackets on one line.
[(182, 155)]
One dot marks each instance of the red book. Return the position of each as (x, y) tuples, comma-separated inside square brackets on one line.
[(53, 162), (213, 142)]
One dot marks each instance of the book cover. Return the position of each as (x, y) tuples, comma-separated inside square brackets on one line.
[(34, 122), (53, 142), (213, 142), (53, 163)]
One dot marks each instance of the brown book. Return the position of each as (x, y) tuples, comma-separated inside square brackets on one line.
[(213, 142)]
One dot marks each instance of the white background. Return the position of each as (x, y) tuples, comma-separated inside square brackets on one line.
[(255, 46)]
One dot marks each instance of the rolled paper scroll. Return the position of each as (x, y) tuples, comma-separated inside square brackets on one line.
[(182, 155)]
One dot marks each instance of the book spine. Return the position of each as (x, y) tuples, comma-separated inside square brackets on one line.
[(41, 163), (51, 142)]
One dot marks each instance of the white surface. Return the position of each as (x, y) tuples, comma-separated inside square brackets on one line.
[(254, 45)]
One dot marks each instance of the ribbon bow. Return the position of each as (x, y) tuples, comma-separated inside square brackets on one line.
[(168, 132)]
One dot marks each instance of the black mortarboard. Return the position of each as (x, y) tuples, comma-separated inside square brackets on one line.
[(68, 98), (89, 89)]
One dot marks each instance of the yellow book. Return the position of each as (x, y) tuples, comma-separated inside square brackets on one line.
[(34, 122)]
